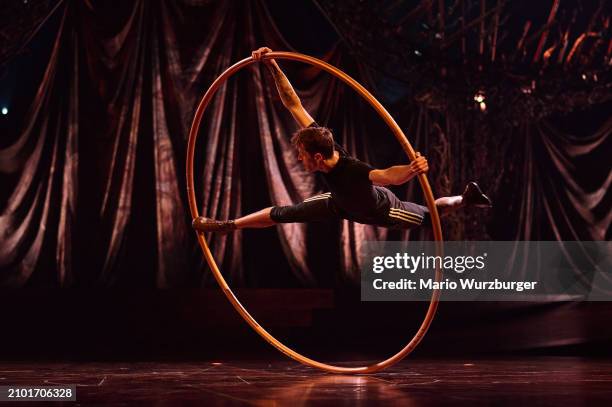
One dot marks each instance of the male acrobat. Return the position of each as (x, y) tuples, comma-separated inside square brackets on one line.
[(356, 190)]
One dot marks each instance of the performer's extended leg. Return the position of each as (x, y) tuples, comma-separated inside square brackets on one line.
[(448, 204), (472, 196), (314, 209), (406, 215), (259, 219)]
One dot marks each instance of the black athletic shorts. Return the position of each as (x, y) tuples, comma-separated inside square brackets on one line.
[(397, 214)]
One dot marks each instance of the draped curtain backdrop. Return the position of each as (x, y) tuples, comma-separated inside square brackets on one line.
[(92, 183)]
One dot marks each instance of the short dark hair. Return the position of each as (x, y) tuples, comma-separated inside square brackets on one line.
[(315, 140)]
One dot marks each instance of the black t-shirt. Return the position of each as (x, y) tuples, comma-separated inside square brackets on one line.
[(351, 188), (352, 191)]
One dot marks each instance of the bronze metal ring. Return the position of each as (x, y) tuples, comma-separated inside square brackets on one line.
[(397, 131)]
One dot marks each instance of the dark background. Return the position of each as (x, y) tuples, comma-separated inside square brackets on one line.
[(96, 253)]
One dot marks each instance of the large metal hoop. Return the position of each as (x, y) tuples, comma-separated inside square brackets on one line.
[(397, 131)]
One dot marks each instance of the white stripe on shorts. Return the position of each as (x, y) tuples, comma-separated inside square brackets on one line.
[(406, 213), (407, 217), (316, 197)]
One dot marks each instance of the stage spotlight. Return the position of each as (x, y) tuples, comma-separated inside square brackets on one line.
[(479, 97), (483, 106), (4, 110)]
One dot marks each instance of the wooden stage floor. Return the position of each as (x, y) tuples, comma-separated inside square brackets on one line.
[(541, 381)]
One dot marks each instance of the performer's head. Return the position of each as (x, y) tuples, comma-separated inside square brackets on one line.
[(314, 145)]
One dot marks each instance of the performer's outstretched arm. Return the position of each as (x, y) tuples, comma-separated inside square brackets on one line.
[(399, 174), (287, 94)]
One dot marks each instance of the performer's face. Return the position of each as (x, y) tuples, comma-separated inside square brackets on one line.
[(311, 162)]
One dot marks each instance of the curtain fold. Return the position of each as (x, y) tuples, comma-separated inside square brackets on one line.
[(36, 225)]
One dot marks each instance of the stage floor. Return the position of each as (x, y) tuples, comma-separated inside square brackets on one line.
[(550, 381)]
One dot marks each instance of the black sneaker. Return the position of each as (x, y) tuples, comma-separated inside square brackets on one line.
[(210, 225), (474, 197)]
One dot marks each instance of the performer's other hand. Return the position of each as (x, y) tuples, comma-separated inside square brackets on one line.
[(257, 54), (419, 165)]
